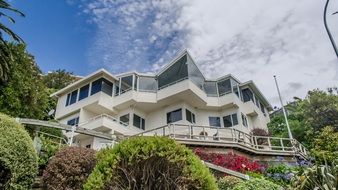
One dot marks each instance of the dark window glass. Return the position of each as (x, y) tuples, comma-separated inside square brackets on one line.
[(188, 115), (84, 91), (68, 99), (227, 121), (215, 121), (244, 120), (174, 116), (147, 84), (224, 87), (247, 95), (176, 72), (262, 107), (107, 87), (117, 89), (73, 97), (195, 74), (193, 118), (230, 120), (126, 83), (210, 88), (88, 146), (257, 101), (138, 122), (96, 86), (135, 82), (234, 119), (125, 119), (73, 121)]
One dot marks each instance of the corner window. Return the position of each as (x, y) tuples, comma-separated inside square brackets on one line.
[(102, 85), (138, 122), (230, 120), (224, 87), (68, 99), (215, 121), (73, 97), (125, 119), (244, 120), (174, 116), (84, 91), (190, 116), (247, 95), (73, 121), (262, 107)]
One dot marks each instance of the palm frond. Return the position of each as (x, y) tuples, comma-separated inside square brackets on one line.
[(8, 17), (5, 5), (11, 33)]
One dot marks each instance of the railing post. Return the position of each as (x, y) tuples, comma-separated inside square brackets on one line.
[(190, 127), (218, 134), (256, 142), (269, 143), (174, 135), (204, 132), (163, 129), (282, 144)]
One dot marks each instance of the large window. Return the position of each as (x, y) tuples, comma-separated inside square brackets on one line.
[(247, 95), (195, 74), (224, 87), (126, 83), (210, 88), (174, 116), (262, 107), (102, 85), (244, 120), (138, 122), (84, 91), (176, 72), (215, 121), (190, 116), (73, 121), (68, 99), (230, 120), (73, 97), (147, 84), (125, 119)]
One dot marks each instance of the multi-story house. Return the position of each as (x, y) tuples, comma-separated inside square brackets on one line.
[(179, 95)]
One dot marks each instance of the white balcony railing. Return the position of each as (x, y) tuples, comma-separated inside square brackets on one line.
[(229, 136)]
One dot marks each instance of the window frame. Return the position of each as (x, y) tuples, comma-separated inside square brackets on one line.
[(231, 117), (169, 116)]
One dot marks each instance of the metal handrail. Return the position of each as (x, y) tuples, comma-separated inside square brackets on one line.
[(172, 83), (101, 116)]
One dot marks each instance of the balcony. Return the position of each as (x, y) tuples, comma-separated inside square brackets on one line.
[(229, 137), (107, 123)]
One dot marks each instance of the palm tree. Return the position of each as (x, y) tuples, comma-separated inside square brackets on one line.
[(5, 54), (328, 30)]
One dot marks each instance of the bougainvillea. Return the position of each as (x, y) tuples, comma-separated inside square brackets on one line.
[(231, 161)]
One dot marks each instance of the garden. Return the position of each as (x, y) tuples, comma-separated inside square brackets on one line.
[(144, 163)]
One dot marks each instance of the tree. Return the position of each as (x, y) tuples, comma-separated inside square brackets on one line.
[(24, 95), (5, 53), (326, 145), (59, 79)]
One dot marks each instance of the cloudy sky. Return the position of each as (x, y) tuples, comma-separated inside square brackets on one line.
[(253, 40)]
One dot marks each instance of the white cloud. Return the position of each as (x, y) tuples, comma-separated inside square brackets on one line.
[(253, 40)]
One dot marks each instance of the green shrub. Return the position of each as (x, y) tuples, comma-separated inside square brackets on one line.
[(48, 149), (69, 168), (257, 184), (149, 163), (18, 159), (228, 182)]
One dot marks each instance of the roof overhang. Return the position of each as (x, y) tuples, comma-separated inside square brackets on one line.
[(99, 73)]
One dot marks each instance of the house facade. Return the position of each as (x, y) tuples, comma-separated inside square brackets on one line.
[(179, 95)]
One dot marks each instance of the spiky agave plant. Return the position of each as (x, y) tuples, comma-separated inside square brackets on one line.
[(319, 177)]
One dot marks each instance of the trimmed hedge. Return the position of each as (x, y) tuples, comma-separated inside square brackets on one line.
[(18, 159), (69, 168), (257, 184), (149, 163), (228, 182)]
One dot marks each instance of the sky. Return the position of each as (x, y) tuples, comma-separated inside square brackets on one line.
[(252, 40)]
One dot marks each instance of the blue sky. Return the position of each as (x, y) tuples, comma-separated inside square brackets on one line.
[(253, 40)]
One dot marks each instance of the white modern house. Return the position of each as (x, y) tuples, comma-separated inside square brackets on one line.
[(178, 101)]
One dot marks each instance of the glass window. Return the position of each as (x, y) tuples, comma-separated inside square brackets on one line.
[(138, 122), (107, 87), (230, 120), (215, 121), (102, 85), (73, 97), (244, 120), (262, 107), (73, 121), (126, 83), (147, 84), (68, 99), (224, 87), (135, 82), (247, 95), (210, 88), (176, 72), (190, 116), (195, 74), (96, 86), (125, 119), (84, 91), (174, 116), (117, 89)]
